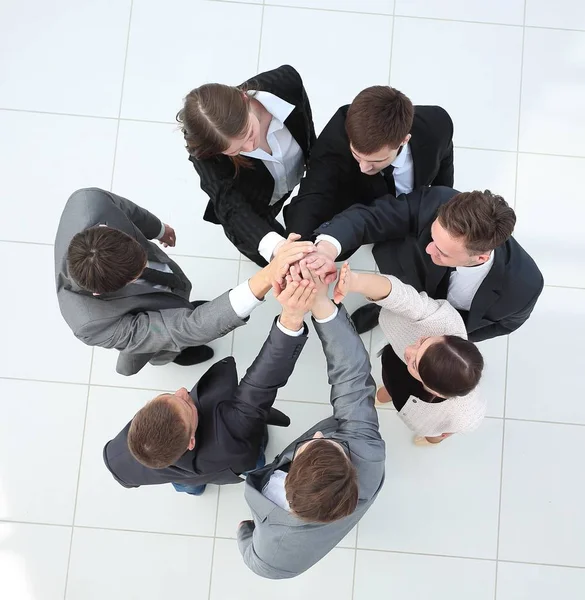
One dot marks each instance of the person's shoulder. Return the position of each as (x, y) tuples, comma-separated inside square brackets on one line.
[(432, 120), (90, 196), (284, 77), (520, 267), (336, 124)]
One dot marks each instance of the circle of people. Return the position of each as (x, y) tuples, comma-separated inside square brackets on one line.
[(381, 172)]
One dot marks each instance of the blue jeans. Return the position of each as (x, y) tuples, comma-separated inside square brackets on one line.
[(197, 490)]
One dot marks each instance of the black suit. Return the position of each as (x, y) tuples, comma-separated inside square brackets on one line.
[(334, 181), (401, 229), (231, 425), (241, 204)]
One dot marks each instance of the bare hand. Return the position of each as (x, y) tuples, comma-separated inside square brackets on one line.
[(297, 300), (169, 237), (321, 286), (290, 252), (343, 286), (322, 262)]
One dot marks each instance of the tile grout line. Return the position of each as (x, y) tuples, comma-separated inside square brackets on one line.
[(121, 94), (391, 44), (498, 530), (233, 539), (93, 349), (142, 389), (260, 37), (78, 475), (405, 16), (213, 543), (153, 121)]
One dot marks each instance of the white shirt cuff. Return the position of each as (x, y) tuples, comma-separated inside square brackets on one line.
[(331, 240), (329, 318), (267, 245), (243, 300), (289, 331), (162, 231)]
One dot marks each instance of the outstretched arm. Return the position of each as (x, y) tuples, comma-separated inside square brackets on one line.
[(348, 366)]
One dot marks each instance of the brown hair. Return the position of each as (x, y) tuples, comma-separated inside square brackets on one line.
[(451, 367), (212, 114), (379, 116), (485, 220), (321, 485), (158, 435), (103, 259)]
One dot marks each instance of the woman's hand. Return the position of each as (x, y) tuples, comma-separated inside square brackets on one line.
[(344, 283)]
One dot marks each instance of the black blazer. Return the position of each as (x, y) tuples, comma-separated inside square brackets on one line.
[(401, 229), (242, 204), (334, 180), (231, 425)]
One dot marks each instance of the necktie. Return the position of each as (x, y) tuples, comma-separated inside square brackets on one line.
[(157, 277), (389, 179)]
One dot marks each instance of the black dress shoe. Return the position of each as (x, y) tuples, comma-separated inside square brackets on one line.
[(193, 355), (197, 303), (366, 317)]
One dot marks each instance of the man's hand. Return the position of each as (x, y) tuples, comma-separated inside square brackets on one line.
[(322, 261), (286, 254), (297, 300), (344, 283), (169, 238)]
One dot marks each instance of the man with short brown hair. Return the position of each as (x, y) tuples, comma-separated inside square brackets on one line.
[(452, 245), (379, 144), (320, 486), (216, 432), (117, 289)]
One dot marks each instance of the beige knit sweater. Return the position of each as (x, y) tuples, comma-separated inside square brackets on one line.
[(407, 316)]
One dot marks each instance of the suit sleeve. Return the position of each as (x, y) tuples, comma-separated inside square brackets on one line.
[(270, 371), (386, 218), (505, 326), (248, 539), (234, 212), (145, 221), (445, 176), (317, 199), (171, 329), (349, 371)]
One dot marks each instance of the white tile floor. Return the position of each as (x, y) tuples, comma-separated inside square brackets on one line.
[(88, 94)]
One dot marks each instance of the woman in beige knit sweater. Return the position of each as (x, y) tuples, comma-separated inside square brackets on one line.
[(429, 368)]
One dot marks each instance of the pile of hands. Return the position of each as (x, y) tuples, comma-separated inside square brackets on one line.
[(301, 273)]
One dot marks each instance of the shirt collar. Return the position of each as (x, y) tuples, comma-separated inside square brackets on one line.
[(280, 109), (400, 160), (486, 266)]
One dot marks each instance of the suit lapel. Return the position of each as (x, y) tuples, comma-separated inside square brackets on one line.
[(488, 292), (435, 275), (418, 147)]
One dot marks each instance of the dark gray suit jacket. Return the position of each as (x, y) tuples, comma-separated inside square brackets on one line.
[(279, 545), (144, 323), (231, 425)]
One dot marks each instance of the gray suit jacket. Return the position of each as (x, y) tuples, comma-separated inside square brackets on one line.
[(278, 545), (144, 323)]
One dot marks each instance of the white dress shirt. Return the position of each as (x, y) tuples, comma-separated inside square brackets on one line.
[(403, 171), (464, 283), (285, 164), (403, 180)]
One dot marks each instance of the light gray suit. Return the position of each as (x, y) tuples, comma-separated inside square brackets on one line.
[(144, 323), (279, 545)]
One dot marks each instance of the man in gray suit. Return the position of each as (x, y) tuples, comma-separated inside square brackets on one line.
[(118, 290), (318, 488)]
